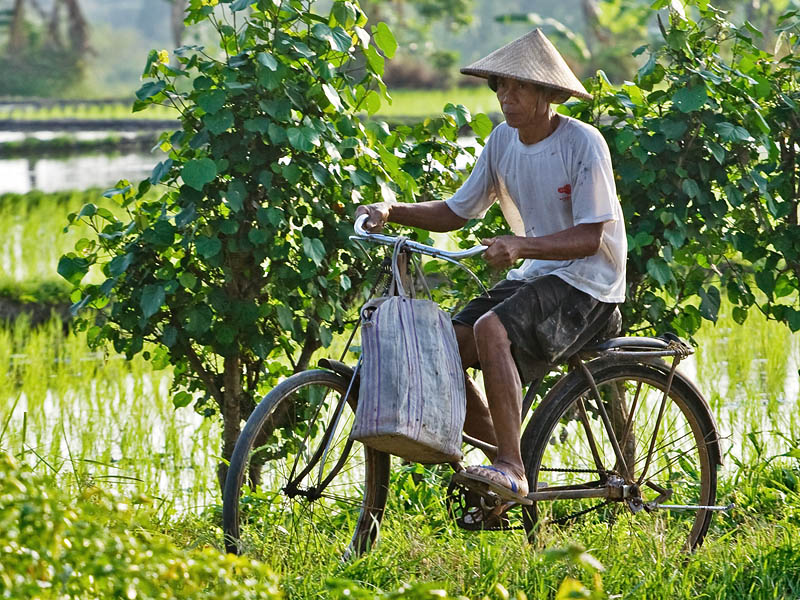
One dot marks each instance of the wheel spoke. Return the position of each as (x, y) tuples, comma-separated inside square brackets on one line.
[(668, 444), (656, 427), (629, 422), (587, 427), (660, 433), (308, 433)]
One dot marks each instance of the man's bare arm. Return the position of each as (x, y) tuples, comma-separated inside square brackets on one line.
[(579, 241), (432, 216)]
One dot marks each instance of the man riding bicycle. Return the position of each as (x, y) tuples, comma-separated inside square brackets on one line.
[(552, 176)]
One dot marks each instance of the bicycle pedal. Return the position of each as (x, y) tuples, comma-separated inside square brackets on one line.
[(474, 511)]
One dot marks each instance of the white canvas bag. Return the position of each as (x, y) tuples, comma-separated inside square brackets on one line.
[(411, 399)]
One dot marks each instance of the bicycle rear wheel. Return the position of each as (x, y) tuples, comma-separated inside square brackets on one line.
[(668, 444), (318, 485)]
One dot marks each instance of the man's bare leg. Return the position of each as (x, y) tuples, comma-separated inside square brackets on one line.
[(478, 422), (504, 392)]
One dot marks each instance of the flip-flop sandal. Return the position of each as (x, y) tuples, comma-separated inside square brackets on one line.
[(482, 484)]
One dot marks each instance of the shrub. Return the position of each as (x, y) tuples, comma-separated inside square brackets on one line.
[(96, 547)]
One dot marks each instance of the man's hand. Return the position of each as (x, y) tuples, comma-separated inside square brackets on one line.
[(377, 215), (503, 251), (570, 244)]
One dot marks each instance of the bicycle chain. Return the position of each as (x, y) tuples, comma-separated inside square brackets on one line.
[(598, 471), (580, 513)]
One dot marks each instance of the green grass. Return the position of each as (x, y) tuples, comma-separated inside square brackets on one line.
[(424, 103), (86, 423), (31, 232), (422, 545), (748, 374), (129, 542), (85, 418)]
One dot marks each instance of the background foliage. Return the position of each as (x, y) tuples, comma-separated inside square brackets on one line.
[(705, 152)]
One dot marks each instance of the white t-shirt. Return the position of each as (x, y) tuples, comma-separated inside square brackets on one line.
[(547, 187)]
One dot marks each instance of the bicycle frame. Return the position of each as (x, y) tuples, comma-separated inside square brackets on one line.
[(610, 487), (590, 412)]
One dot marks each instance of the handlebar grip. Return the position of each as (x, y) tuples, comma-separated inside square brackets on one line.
[(358, 226)]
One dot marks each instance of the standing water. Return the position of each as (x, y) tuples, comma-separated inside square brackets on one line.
[(73, 172)]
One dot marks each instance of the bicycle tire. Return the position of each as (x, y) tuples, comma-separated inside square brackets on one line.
[(684, 462), (354, 486)]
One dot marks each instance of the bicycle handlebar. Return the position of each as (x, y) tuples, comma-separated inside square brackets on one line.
[(388, 240)]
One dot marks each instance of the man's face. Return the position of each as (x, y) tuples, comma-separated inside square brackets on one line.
[(522, 103)]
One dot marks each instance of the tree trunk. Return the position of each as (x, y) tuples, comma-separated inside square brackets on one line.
[(17, 40), (310, 345), (279, 419), (594, 32), (77, 26), (53, 23), (177, 27), (231, 414), (752, 9), (372, 10)]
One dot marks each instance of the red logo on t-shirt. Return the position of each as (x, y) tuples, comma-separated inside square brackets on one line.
[(567, 191)]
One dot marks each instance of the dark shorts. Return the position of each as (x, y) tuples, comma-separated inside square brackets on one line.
[(547, 320)]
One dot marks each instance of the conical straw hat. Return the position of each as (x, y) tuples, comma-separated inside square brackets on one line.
[(530, 58)]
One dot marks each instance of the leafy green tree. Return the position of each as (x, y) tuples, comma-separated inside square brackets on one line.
[(705, 146), (709, 174), (234, 264)]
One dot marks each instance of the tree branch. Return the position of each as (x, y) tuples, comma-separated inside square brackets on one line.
[(202, 372)]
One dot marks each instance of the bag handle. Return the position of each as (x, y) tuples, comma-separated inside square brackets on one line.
[(397, 280), (396, 288), (421, 273)]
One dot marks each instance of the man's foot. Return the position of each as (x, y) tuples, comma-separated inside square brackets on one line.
[(483, 478)]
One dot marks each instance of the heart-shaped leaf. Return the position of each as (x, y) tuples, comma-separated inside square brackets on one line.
[(384, 39), (150, 89), (197, 173), (212, 101), (690, 98), (153, 297)]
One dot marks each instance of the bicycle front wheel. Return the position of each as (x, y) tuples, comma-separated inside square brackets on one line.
[(668, 444), (317, 485)]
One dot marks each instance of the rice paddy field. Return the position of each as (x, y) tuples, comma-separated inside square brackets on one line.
[(405, 103), (58, 111), (106, 490)]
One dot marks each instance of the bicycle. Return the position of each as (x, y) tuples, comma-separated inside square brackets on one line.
[(621, 433)]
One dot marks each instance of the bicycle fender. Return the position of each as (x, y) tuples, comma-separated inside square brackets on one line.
[(339, 368)]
